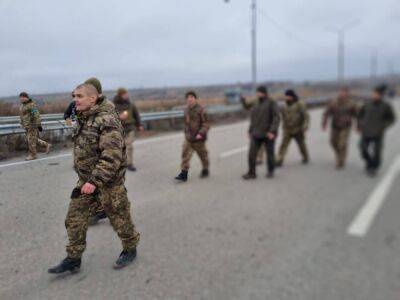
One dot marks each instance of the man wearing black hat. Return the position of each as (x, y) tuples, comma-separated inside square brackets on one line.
[(373, 120), (264, 124), (295, 123), (30, 121)]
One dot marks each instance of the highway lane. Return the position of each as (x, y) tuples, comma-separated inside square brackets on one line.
[(220, 238)]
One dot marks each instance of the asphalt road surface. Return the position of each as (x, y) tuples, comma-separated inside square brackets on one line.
[(310, 233)]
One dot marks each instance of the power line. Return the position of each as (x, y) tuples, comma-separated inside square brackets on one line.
[(285, 30)]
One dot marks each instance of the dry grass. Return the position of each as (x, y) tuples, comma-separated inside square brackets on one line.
[(9, 109)]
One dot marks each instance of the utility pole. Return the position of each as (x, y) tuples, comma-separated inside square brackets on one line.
[(374, 66), (341, 48), (340, 58), (253, 43)]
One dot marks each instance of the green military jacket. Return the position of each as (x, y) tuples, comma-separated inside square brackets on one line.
[(99, 147), (264, 118), (295, 117), (133, 120), (375, 117), (29, 115), (196, 123)]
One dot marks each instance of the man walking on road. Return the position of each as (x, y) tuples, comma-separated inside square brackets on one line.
[(30, 121), (248, 105), (100, 162), (295, 124), (373, 119), (196, 129), (130, 120), (264, 124), (341, 111)]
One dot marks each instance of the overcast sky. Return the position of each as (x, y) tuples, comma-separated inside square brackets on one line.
[(51, 46)]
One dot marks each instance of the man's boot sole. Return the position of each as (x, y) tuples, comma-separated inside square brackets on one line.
[(180, 180), (72, 271), (118, 267)]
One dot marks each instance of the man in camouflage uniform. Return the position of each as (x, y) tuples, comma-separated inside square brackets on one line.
[(100, 162), (196, 128), (130, 119), (263, 130), (30, 121), (342, 111), (295, 124)]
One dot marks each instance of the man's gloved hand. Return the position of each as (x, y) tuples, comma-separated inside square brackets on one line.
[(40, 128)]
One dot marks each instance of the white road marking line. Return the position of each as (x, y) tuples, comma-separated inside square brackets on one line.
[(233, 152), (36, 160), (138, 143), (362, 222)]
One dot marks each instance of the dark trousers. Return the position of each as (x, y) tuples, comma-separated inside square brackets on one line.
[(255, 145), (371, 149)]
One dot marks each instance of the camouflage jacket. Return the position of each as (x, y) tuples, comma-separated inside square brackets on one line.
[(295, 117), (196, 123), (99, 147), (133, 120), (342, 112), (264, 118), (29, 115)]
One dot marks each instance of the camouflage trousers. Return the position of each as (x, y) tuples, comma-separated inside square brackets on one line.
[(187, 152), (129, 139), (339, 141), (286, 139), (116, 205), (32, 137)]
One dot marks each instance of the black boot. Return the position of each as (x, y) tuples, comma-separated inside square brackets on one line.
[(97, 217), (183, 176), (204, 173), (68, 264), (131, 168), (249, 176), (125, 258)]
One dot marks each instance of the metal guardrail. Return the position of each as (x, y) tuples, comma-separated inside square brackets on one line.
[(10, 125), (50, 122)]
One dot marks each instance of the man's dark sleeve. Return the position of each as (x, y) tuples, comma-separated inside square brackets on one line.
[(390, 116), (360, 117), (275, 118), (68, 111), (136, 116)]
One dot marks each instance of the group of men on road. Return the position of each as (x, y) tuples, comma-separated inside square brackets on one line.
[(264, 124), (373, 118), (104, 134)]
